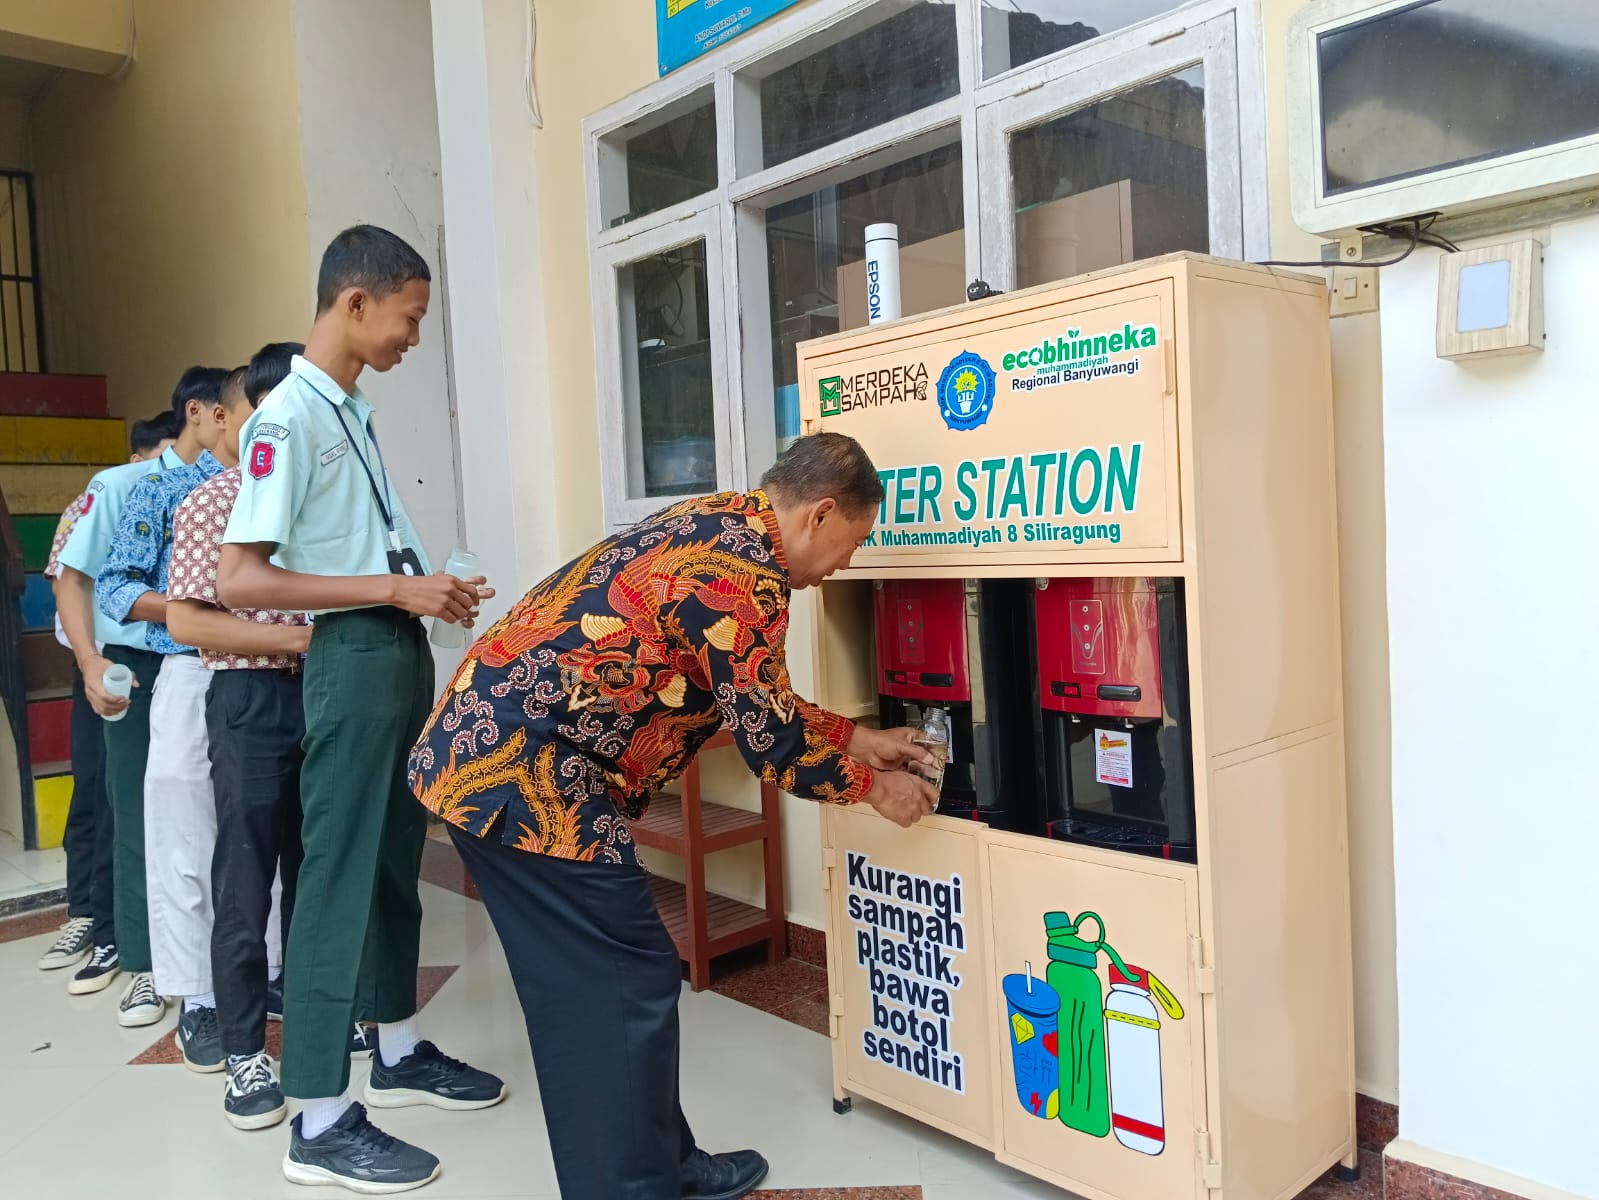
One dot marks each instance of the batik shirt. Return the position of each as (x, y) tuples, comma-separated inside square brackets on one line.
[(197, 532), (52, 566), (605, 680), (141, 552)]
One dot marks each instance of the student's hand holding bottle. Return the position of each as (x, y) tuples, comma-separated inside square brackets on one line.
[(445, 596), (105, 704)]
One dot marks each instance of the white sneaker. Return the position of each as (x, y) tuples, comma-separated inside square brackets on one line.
[(71, 948), (140, 1004)]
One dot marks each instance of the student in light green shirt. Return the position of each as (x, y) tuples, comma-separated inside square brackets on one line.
[(315, 493)]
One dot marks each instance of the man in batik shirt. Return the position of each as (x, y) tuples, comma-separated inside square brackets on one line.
[(596, 690)]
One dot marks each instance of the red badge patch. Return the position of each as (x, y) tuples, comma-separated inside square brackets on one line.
[(88, 503), (262, 455)]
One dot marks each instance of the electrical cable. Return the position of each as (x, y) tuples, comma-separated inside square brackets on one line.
[(1413, 229)]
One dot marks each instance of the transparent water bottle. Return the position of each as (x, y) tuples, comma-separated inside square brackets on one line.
[(933, 736), (446, 635)]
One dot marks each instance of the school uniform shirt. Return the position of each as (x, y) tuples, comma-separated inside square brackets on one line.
[(312, 472), (52, 566), (197, 532), (141, 552), (88, 545), (605, 680)]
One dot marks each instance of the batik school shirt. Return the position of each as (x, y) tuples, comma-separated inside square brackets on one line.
[(313, 485), (603, 682), (141, 552), (52, 566), (89, 543), (197, 532)]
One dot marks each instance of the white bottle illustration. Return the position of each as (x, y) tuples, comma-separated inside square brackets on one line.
[(1132, 1057)]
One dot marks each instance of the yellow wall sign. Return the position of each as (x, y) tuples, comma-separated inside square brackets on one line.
[(1017, 435)]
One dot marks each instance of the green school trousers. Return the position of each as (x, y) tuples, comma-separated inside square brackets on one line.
[(352, 949)]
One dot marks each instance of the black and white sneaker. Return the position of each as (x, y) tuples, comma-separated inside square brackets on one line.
[(200, 1038), (356, 1154), (426, 1076), (141, 1004), (97, 974), (275, 999), (253, 1099), (361, 1041), (71, 948)]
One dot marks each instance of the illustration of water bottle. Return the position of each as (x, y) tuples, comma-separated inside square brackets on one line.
[(446, 635), (1132, 1053), (934, 737), (1033, 1020), (1074, 974)]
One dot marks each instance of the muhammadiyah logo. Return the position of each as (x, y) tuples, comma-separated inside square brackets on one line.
[(832, 390), (966, 391)]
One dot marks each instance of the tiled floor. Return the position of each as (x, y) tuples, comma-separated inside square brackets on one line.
[(75, 1082), (25, 872)]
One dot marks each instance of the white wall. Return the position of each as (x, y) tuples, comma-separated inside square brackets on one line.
[(369, 144), (1493, 511)]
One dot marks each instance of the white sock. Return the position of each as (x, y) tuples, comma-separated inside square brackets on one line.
[(398, 1039), (203, 1000), (274, 974), (319, 1116)]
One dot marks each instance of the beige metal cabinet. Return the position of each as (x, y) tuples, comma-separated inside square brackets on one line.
[(1169, 419)]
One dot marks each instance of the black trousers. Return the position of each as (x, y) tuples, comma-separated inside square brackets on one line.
[(89, 834), (256, 721), (598, 978)]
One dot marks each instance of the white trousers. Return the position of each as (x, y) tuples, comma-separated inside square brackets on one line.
[(180, 833)]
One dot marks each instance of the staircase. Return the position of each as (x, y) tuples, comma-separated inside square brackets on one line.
[(55, 433)]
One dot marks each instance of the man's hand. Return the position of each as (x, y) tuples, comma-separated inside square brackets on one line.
[(102, 701), (445, 596), (301, 639), (888, 749), (901, 797)]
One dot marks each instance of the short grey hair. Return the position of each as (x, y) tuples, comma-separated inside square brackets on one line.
[(825, 465)]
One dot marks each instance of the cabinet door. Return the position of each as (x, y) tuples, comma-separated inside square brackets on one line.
[(1099, 1075), (907, 965)]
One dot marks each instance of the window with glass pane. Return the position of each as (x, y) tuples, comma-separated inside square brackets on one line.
[(823, 94), (816, 256), (1016, 32), (1120, 179), (659, 160), (667, 374)]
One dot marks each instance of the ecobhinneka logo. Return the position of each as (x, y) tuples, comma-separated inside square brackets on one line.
[(966, 391)]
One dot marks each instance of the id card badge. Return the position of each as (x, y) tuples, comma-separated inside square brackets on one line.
[(402, 559)]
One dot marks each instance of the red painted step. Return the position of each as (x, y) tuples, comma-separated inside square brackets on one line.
[(50, 731), (29, 394)]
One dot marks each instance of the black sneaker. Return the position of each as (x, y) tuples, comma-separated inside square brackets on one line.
[(275, 999), (253, 1099), (722, 1176), (97, 974), (358, 1155), (200, 1039), (71, 948), (141, 1004), (425, 1076), (361, 1040)]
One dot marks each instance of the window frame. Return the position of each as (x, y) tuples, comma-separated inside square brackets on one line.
[(1221, 35)]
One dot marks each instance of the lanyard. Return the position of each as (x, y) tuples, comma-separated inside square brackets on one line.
[(382, 498)]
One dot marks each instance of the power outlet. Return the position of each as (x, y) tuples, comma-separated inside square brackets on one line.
[(1354, 291)]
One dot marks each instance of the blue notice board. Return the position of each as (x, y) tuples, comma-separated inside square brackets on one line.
[(686, 29)]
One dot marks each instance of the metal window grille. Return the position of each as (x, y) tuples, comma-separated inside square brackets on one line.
[(21, 305)]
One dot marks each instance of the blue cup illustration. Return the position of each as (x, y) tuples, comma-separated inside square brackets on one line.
[(1034, 1019)]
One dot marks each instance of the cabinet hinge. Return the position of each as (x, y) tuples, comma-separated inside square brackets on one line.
[(1209, 1164), (829, 861), (1200, 967), (835, 1014)]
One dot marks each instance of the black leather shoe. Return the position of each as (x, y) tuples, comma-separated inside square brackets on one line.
[(722, 1176)]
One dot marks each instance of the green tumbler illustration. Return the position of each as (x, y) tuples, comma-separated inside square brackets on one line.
[(1074, 974)]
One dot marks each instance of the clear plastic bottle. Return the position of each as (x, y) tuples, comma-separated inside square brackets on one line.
[(447, 635), (934, 736)]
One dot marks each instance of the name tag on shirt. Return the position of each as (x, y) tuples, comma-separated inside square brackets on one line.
[(338, 452)]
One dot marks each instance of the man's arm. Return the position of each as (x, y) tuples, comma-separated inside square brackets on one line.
[(247, 578), (74, 593), (124, 591), (196, 623)]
